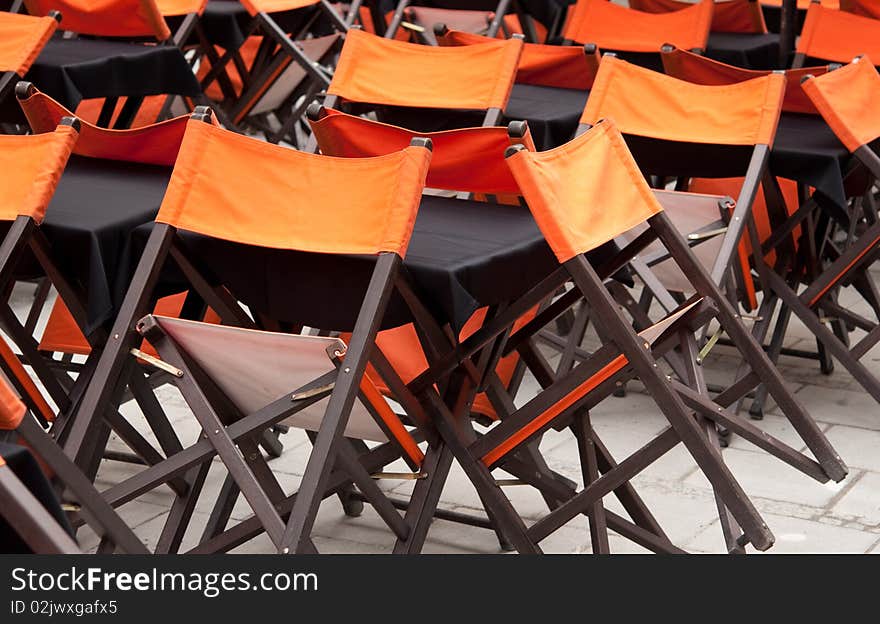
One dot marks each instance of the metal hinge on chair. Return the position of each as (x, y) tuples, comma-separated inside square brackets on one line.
[(154, 361), (312, 392), (399, 476), (708, 346), (509, 482), (412, 27), (704, 234)]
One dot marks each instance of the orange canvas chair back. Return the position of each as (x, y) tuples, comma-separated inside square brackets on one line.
[(698, 69), (652, 105), (566, 67), (106, 18), (865, 8), (31, 167), (156, 144), (838, 36), (614, 27), (736, 16), (847, 99), (373, 70), (469, 159), (331, 205), (22, 37), (586, 192)]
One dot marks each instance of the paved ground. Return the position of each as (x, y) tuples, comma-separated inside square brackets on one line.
[(805, 516)]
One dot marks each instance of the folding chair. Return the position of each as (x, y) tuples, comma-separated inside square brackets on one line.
[(598, 22), (23, 38), (467, 161), (831, 35), (80, 250), (579, 206), (391, 186), (33, 166), (696, 131), (770, 223), (279, 38), (110, 59), (845, 97), (376, 73)]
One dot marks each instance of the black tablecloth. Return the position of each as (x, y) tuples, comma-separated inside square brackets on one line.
[(225, 23), (751, 51), (552, 113), (89, 222), (22, 462), (462, 255), (806, 150), (71, 70)]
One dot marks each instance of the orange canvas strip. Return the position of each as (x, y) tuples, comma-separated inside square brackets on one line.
[(698, 69), (566, 67), (274, 6), (865, 8), (586, 192), (240, 189), (156, 144), (847, 99), (11, 406), (604, 374), (176, 8), (744, 113), (838, 36), (736, 16), (469, 159), (106, 18), (374, 70), (843, 272), (30, 168), (392, 422), (614, 27), (22, 38)]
